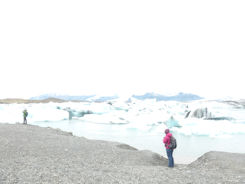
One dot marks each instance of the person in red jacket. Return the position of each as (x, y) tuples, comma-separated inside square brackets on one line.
[(166, 141)]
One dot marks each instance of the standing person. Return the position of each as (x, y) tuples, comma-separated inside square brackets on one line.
[(169, 150), (25, 114)]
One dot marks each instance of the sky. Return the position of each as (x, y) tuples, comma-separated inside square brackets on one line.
[(122, 47)]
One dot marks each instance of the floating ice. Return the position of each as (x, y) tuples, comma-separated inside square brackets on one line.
[(209, 118), (172, 123)]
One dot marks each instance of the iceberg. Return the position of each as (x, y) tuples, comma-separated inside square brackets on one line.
[(172, 123), (209, 118)]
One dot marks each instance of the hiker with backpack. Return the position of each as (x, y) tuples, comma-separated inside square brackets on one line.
[(25, 114), (170, 145)]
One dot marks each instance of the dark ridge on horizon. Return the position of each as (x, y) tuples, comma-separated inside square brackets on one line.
[(19, 100), (63, 97)]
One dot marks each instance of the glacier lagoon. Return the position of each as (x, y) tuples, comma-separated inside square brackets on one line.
[(199, 126)]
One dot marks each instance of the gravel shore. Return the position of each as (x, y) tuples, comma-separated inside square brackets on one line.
[(34, 155)]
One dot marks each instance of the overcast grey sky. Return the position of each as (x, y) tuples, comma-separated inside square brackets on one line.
[(129, 46)]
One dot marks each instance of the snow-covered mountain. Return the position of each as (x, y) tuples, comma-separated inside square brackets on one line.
[(182, 97)]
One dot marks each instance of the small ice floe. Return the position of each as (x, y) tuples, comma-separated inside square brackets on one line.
[(172, 123)]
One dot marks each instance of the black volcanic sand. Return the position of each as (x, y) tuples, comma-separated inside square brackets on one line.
[(31, 155)]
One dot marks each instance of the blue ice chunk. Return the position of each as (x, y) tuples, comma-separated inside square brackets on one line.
[(172, 123)]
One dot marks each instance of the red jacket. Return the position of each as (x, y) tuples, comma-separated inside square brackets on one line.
[(166, 140)]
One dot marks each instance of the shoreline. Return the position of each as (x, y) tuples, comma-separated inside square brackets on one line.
[(32, 154), (189, 149)]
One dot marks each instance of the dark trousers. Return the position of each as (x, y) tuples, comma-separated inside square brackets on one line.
[(170, 157), (25, 120)]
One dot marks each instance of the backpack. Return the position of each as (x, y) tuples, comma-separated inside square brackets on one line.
[(25, 113), (173, 143)]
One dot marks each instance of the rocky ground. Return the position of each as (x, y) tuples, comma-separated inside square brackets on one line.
[(33, 155)]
